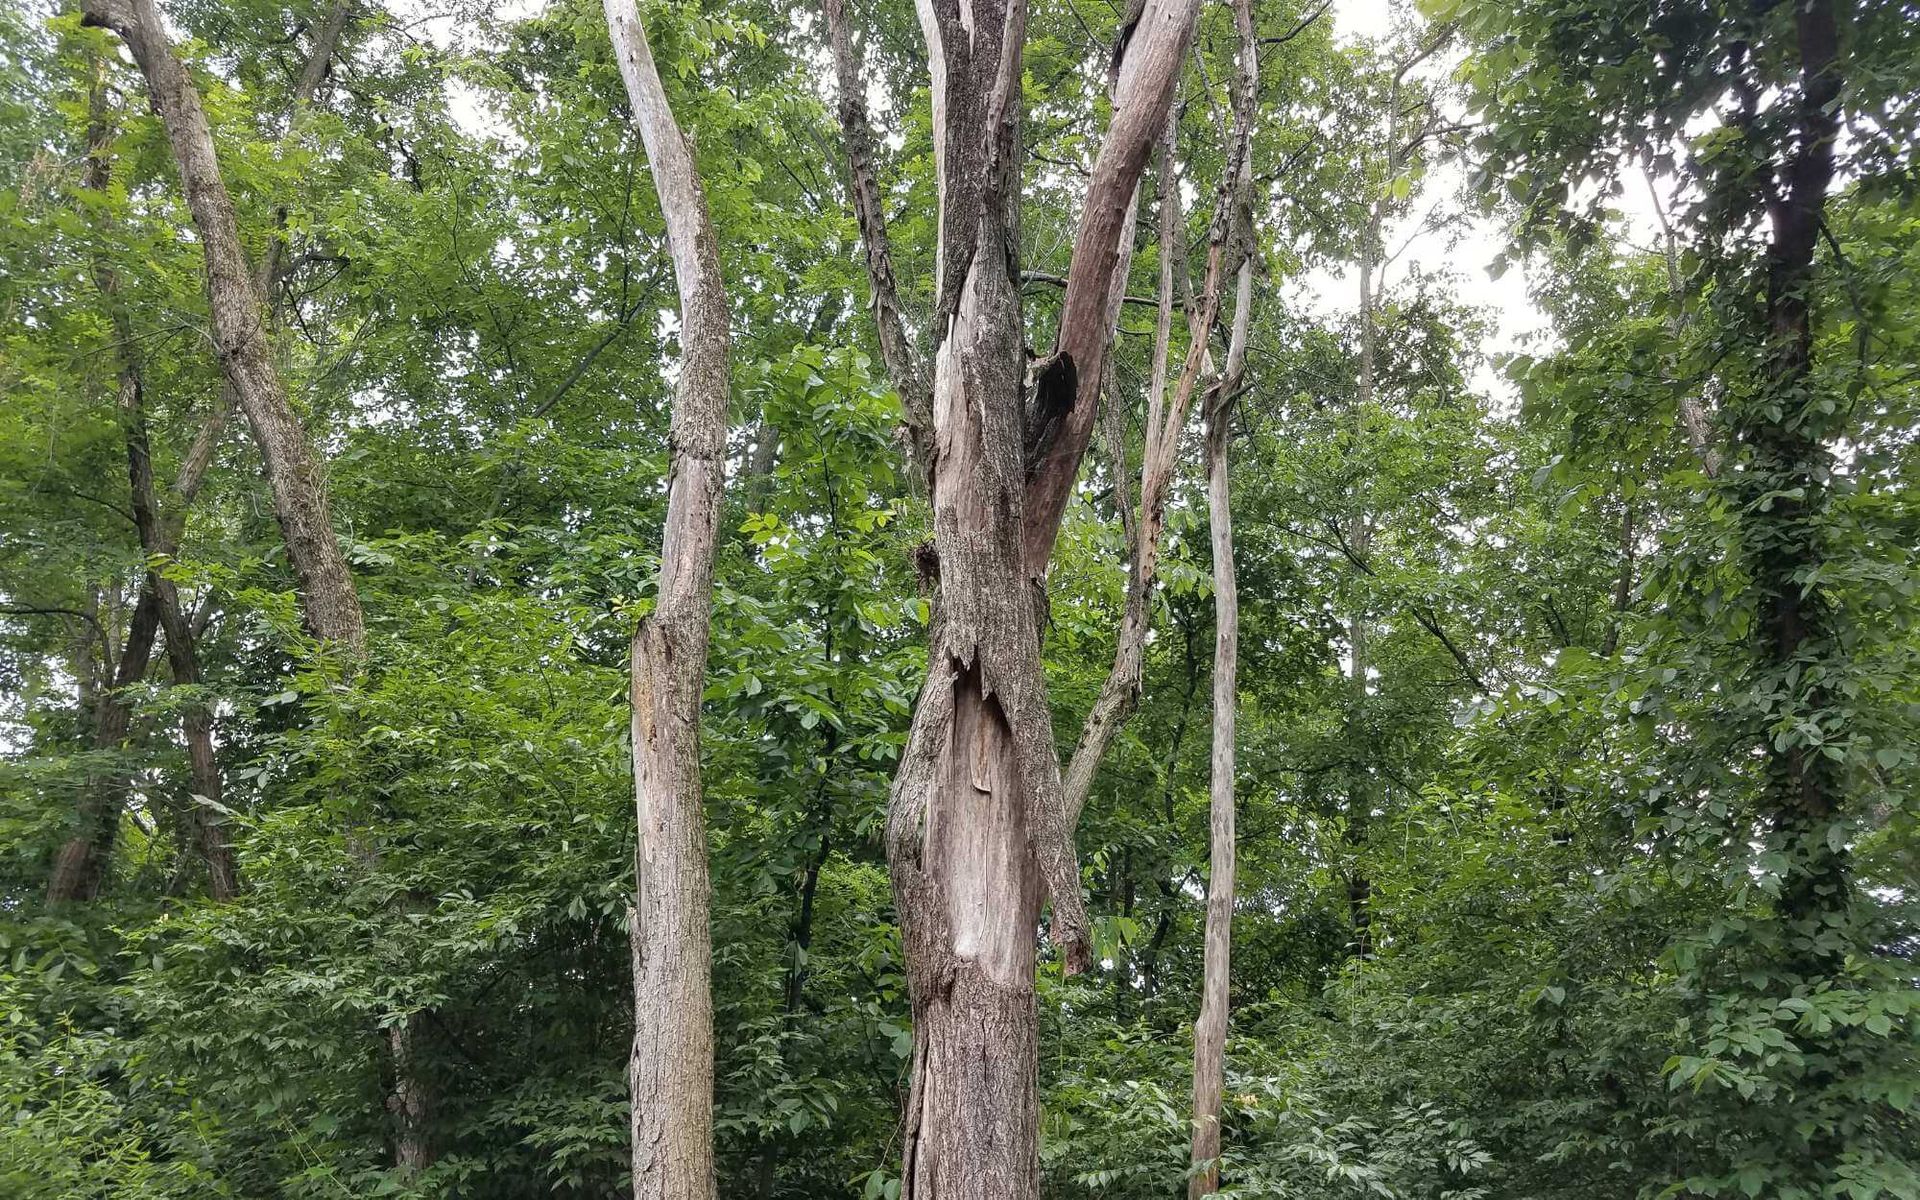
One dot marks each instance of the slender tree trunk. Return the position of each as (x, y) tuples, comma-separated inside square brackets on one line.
[(1210, 1030), (328, 602), (1166, 420), (326, 40), (897, 351), (159, 538), (80, 866), (672, 1065)]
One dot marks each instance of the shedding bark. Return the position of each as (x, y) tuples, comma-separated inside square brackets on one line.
[(329, 605), (977, 832), (671, 1071), (1210, 1029)]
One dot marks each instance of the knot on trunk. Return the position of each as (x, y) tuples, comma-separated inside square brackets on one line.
[(926, 563)]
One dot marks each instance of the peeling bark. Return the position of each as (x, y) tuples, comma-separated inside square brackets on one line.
[(977, 831), (671, 1070)]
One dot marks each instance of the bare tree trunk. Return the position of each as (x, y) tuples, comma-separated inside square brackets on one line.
[(671, 1072), (328, 602), (977, 834), (1210, 1029)]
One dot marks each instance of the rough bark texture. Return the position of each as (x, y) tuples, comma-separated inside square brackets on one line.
[(1166, 421), (328, 603), (977, 833), (1069, 391), (671, 1072)]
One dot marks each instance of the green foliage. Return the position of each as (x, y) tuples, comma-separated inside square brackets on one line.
[(1593, 966)]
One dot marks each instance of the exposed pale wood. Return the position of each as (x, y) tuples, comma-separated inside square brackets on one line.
[(671, 1071), (977, 831)]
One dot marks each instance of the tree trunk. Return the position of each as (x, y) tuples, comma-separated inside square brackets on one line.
[(79, 868), (159, 538), (328, 602), (671, 1071), (1210, 1030), (976, 830), (1785, 431), (1166, 420)]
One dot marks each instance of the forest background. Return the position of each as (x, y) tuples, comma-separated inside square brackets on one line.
[(1574, 767)]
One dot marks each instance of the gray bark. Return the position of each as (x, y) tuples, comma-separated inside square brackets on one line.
[(671, 1071), (1210, 1029), (329, 605), (897, 351)]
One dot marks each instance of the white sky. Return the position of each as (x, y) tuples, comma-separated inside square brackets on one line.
[(1464, 250)]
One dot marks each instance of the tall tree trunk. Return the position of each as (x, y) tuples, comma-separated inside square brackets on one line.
[(329, 605), (159, 538), (82, 862), (672, 1066), (1785, 430), (1166, 421), (976, 832), (1210, 1029)]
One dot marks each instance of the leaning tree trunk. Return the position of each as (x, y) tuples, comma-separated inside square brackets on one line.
[(977, 835), (672, 1067), (329, 605)]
